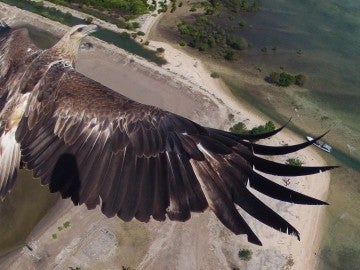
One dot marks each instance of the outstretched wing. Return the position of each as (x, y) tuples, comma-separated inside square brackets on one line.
[(98, 147), (16, 52)]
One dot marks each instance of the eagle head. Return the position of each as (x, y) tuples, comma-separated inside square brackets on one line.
[(68, 46), (78, 32)]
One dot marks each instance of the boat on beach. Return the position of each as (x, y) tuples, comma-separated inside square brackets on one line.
[(320, 144)]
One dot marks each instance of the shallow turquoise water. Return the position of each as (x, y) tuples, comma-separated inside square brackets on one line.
[(328, 35)]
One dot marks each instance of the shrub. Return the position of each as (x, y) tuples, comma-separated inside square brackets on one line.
[(140, 33), (242, 23), (229, 55), (237, 43), (160, 50), (182, 43), (231, 117), (66, 224), (239, 128), (88, 19), (203, 47), (54, 236), (286, 79), (294, 162), (135, 25), (146, 43), (214, 75), (268, 127), (124, 34), (193, 9), (300, 79), (245, 254), (281, 79)]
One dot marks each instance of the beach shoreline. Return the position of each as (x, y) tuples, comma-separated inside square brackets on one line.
[(192, 77)]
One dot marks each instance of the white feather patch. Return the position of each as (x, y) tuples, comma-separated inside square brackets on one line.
[(9, 160)]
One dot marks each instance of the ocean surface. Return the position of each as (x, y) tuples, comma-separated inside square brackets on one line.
[(320, 39)]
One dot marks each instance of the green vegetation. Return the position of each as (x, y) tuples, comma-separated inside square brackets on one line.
[(300, 79), (160, 50), (74, 268), (54, 236), (294, 162), (231, 117), (237, 43), (66, 224), (117, 7), (229, 54), (182, 43), (209, 32), (268, 127), (88, 20), (242, 5), (117, 12), (242, 23), (204, 34), (285, 79), (163, 7), (214, 75), (124, 34), (238, 128), (60, 228), (245, 254)]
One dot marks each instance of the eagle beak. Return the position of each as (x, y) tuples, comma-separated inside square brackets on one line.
[(91, 28)]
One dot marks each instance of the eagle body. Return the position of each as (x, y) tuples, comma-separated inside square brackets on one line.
[(98, 147)]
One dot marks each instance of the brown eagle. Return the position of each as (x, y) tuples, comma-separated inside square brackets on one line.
[(98, 147)]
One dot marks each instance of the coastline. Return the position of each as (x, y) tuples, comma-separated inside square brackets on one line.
[(194, 80)]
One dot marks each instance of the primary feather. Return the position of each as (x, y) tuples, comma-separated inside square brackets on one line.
[(94, 145)]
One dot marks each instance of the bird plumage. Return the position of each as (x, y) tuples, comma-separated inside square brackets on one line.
[(98, 147)]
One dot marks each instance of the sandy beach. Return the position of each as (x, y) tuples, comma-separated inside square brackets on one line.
[(183, 86)]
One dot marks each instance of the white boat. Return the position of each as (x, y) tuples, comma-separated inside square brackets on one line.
[(320, 144)]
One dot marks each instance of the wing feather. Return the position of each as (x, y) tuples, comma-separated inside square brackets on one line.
[(90, 143)]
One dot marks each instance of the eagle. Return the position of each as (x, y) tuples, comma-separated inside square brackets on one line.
[(98, 147)]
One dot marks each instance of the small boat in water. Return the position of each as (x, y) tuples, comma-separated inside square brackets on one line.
[(320, 144)]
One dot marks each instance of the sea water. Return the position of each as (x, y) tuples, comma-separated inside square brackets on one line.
[(320, 39)]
